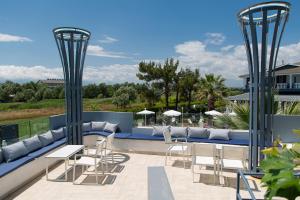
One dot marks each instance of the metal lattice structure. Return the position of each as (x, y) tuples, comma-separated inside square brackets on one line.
[(262, 24), (72, 45)]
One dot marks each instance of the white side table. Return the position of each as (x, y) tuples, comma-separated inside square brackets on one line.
[(63, 153)]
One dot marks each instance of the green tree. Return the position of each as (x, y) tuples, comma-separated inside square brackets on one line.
[(90, 91), (48, 94), (8, 90), (24, 96), (103, 90), (62, 94), (162, 75), (124, 96), (150, 94), (211, 88), (189, 82), (177, 85)]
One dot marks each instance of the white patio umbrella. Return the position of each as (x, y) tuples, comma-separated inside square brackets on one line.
[(213, 113), (172, 113), (145, 112)]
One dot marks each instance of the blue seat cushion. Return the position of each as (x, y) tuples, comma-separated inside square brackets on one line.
[(231, 141), (140, 136), (48, 148), (5, 168)]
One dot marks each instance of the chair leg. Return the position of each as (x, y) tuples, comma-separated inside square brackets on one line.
[(193, 173), (214, 173), (112, 157), (96, 174), (74, 168), (166, 157)]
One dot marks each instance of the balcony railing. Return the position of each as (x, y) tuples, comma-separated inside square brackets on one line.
[(282, 86), (296, 85)]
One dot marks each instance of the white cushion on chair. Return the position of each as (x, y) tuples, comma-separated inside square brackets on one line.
[(203, 160), (94, 151), (232, 164), (86, 160)]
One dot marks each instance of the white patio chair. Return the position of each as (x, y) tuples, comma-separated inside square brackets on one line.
[(108, 149), (204, 154), (90, 160), (175, 147), (233, 157)]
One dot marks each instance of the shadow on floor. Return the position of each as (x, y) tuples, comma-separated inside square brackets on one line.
[(231, 182), (116, 167), (180, 164)]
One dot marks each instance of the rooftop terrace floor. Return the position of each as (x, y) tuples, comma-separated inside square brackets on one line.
[(131, 179)]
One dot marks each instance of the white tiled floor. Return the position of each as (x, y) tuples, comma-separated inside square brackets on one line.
[(129, 181)]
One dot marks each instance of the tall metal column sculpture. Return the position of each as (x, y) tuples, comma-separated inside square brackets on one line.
[(72, 45), (262, 24)]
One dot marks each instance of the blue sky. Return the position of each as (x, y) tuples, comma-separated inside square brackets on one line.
[(126, 32)]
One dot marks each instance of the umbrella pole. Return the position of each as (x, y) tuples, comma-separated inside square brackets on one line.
[(145, 120)]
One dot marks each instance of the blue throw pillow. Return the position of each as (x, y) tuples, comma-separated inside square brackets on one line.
[(178, 131), (98, 126), (1, 156), (111, 128), (196, 132), (86, 127), (58, 133), (14, 151), (33, 143), (46, 138), (158, 130), (218, 134)]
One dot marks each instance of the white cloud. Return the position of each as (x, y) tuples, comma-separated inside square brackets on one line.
[(13, 38), (228, 64), (116, 73), (91, 74), (229, 61), (227, 48), (96, 50), (108, 39), (215, 38)]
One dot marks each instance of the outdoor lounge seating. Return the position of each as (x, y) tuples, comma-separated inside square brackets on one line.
[(175, 147), (204, 155), (143, 136), (233, 157), (30, 161), (91, 160)]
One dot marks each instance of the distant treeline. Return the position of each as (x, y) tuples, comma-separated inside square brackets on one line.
[(160, 82), (36, 91)]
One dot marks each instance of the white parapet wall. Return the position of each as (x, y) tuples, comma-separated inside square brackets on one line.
[(283, 126)]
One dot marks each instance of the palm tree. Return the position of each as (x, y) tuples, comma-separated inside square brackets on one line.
[(211, 88), (241, 120)]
